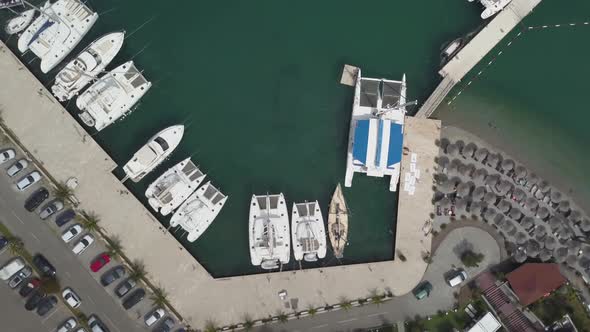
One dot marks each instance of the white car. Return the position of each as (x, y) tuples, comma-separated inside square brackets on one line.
[(68, 325), (28, 180), (154, 316), (17, 167), (7, 155), (51, 208), (457, 278), (83, 244), (71, 298), (71, 233)]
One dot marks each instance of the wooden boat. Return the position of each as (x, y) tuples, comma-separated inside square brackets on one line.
[(338, 222)]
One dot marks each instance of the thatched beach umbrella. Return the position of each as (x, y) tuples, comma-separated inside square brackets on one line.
[(554, 223), (564, 207), (527, 222), (463, 189), (518, 194), (445, 203), (585, 225), (470, 170), (565, 233), (507, 165), (515, 214), (545, 255), (520, 256), (469, 150), (544, 186), (584, 262), (478, 193), (521, 238), (476, 208), (531, 204), (550, 242), (508, 226), (460, 145), (511, 248), (498, 220), (532, 179), (540, 230), (453, 169), (461, 204), (574, 247), (542, 213), (493, 160), (444, 142), (575, 216), (503, 187), (490, 198), (447, 187), (489, 214), (555, 197), (532, 248), (520, 172), (572, 260), (452, 150), (512, 230), (443, 161), (585, 250), (504, 206), (480, 175), (481, 154), (492, 180), (560, 254)]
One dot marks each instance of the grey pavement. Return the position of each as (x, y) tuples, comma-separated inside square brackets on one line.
[(72, 271), (406, 307)]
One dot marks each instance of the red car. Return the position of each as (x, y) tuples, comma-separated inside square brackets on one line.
[(99, 262)]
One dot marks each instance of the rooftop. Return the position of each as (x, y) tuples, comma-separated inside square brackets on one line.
[(533, 281)]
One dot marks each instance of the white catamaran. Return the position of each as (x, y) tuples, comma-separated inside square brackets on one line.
[(197, 213), (308, 232), (87, 65), (174, 186), (19, 23), (269, 231), (153, 152), (112, 96), (55, 33)]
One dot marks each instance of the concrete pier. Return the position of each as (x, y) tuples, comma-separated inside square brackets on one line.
[(477, 48), (63, 147)]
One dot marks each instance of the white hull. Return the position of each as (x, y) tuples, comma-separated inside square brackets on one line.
[(34, 29), (112, 96), (198, 212), (492, 7), (20, 22), (174, 187), (308, 232), (269, 231), (153, 152), (87, 65)]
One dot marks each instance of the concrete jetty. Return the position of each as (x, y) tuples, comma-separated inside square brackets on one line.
[(65, 150), (470, 55)]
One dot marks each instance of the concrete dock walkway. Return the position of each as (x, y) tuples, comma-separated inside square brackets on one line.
[(65, 150)]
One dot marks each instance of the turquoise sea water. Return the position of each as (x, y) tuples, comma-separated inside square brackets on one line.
[(256, 83)]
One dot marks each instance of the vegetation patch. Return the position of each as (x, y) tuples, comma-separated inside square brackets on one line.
[(564, 301), (471, 259)]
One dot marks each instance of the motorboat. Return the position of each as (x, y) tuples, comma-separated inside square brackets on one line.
[(338, 222), (58, 30), (20, 22), (197, 213), (112, 96), (450, 50), (87, 66), (492, 7), (308, 232), (268, 229), (174, 186), (153, 152)]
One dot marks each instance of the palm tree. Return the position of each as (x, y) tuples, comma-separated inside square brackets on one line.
[(283, 318), (114, 245), (345, 303), (210, 326), (137, 270), (15, 245), (248, 322), (62, 191), (89, 220), (159, 297), (311, 310), (377, 299)]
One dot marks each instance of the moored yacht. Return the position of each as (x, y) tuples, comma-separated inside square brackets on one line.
[(40, 24), (61, 27), (86, 66), (112, 96), (308, 232), (338, 222), (153, 152), (269, 231), (492, 7), (174, 186), (20, 22), (197, 213)]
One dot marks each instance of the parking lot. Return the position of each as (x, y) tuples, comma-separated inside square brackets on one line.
[(73, 271)]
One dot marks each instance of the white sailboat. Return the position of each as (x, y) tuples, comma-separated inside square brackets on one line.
[(153, 152), (308, 232), (197, 213), (174, 186), (20, 22), (57, 31), (33, 30), (112, 96), (87, 65), (269, 231)]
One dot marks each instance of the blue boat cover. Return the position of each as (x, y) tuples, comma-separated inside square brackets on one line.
[(379, 142), (361, 140), (396, 138), (44, 27)]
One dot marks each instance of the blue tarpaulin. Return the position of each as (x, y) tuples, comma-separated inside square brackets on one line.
[(396, 138), (361, 140)]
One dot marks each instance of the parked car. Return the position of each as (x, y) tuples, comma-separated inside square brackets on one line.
[(96, 325), (11, 268), (112, 275), (28, 287), (124, 287), (68, 325), (43, 265), (46, 304), (422, 290), (99, 262), (457, 278), (28, 180), (34, 300), (3, 243), (154, 316), (134, 298), (65, 217), (71, 298), (165, 326), (51, 208), (71, 233), (20, 276), (36, 198), (7, 155), (83, 244), (18, 166)]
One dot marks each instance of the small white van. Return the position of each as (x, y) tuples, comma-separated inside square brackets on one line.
[(11, 268), (457, 278)]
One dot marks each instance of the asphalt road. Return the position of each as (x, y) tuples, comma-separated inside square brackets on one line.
[(72, 271)]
